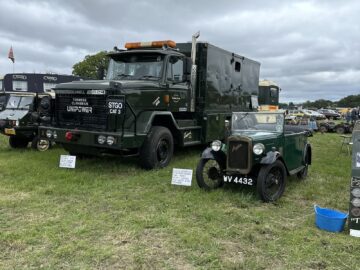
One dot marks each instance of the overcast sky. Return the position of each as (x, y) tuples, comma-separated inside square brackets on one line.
[(310, 48)]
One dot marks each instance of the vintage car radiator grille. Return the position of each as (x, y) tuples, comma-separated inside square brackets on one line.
[(238, 155), (67, 118)]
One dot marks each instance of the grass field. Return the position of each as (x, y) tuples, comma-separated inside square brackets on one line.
[(109, 214)]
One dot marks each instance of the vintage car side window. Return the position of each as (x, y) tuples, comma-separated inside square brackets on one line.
[(175, 69)]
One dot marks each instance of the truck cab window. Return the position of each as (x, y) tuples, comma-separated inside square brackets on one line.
[(146, 66), (175, 70)]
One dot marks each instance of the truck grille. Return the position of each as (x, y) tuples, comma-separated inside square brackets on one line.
[(97, 119), (239, 154)]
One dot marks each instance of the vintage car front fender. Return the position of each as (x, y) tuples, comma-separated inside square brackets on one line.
[(270, 157), (220, 156)]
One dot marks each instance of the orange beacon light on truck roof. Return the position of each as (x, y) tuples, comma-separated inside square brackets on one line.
[(151, 44)]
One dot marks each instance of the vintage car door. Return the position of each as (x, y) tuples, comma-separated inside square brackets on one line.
[(294, 145)]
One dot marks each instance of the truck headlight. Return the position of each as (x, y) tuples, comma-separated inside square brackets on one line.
[(258, 149), (49, 134), (216, 145), (101, 139), (55, 135), (110, 140)]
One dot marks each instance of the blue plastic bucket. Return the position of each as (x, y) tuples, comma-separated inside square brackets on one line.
[(329, 220)]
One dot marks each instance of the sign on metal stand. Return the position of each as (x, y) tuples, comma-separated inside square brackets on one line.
[(354, 209)]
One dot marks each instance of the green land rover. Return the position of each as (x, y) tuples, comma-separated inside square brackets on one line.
[(261, 151)]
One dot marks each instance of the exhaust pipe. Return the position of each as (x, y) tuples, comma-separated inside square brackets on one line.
[(193, 71)]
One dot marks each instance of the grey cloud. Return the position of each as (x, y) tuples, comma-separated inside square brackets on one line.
[(309, 47)]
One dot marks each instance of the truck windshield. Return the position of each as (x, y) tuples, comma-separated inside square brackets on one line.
[(273, 122), (19, 102), (140, 66)]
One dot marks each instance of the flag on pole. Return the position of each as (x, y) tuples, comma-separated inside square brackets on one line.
[(11, 55)]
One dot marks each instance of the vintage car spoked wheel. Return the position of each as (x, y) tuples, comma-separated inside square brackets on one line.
[(271, 181), (157, 149), (18, 142), (209, 174)]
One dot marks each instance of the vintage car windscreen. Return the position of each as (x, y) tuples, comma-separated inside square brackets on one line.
[(271, 122), (145, 66), (19, 102)]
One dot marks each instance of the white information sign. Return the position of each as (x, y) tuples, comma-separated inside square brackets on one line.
[(181, 177), (67, 161)]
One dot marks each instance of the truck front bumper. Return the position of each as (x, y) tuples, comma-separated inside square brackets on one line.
[(85, 138)]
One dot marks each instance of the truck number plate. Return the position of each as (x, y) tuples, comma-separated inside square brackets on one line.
[(115, 106), (9, 131), (238, 180)]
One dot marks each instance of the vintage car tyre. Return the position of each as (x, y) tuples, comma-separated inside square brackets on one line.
[(157, 149), (213, 175), (18, 142), (340, 129), (41, 144), (271, 181)]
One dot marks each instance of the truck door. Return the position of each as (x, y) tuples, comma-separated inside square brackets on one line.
[(178, 86)]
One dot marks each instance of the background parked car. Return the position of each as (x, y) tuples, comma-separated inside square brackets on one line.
[(311, 113), (330, 114)]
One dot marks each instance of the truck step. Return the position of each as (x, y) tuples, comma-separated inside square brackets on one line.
[(190, 127), (190, 143)]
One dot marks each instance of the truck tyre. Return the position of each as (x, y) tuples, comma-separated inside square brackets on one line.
[(41, 144), (209, 174), (157, 149), (18, 142), (340, 129), (271, 181)]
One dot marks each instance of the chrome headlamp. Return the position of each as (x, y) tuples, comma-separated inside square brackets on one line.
[(216, 145), (258, 149)]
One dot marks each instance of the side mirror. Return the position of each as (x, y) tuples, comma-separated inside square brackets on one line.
[(187, 68)]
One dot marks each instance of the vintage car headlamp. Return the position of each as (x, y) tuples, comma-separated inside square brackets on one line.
[(258, 149), (110, 140), (101, 139), (216, 145), (49, 134)]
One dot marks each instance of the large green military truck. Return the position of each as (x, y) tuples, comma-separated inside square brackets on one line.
[(155, 95)]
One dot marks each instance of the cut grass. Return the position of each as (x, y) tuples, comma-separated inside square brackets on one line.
[(110, 214)]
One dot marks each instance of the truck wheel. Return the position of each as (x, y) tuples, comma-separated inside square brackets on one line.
[(209, 174), (41, 144), (18, 142), (271, 181), (157, 149), (340, 130)]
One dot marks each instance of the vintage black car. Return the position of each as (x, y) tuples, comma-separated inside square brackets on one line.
[(261, 151), (22, 115)]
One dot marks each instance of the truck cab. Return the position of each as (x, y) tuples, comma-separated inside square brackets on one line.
[(155, 95)]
